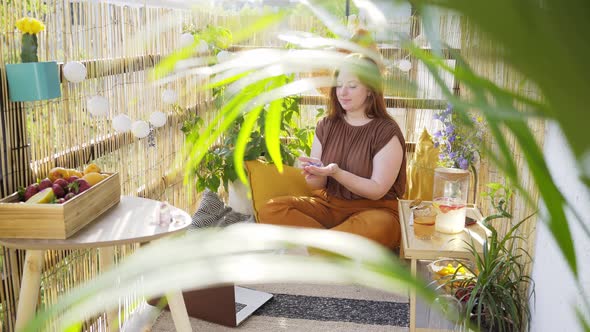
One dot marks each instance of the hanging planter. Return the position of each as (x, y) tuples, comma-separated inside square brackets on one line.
[(33, 81)]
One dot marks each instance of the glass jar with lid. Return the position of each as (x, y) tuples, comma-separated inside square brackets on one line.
[(449, 196)]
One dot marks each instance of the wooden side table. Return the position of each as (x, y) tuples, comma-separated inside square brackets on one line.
[(441, 245), (133, 220)]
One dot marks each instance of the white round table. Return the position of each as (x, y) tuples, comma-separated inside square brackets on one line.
[(133, 220)]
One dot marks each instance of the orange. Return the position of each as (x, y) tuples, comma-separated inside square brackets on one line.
[(58, 173), (92, 168), (92, 178), (43, 197), (75, 172)]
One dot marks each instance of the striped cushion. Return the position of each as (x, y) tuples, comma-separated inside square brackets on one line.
[(212, 212)]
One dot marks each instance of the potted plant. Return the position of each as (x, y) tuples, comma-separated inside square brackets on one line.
[(217, 167), (495, 296), (32, 80)]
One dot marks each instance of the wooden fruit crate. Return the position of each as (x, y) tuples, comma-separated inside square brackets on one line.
[(58, 221)]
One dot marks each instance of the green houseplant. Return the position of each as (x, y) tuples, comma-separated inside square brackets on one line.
[(218, 166), (495, 296)]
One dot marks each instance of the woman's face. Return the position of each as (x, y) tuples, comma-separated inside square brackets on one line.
[(351, 93)]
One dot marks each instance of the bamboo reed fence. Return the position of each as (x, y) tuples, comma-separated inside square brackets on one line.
[(119, 44), (38, 136)]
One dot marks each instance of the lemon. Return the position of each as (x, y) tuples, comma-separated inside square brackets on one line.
[(92, 168), (75, 172), (43, 197), (93, 178), (446, 271)]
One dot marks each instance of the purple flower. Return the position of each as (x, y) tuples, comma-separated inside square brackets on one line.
[(458, 144), (463, 163)]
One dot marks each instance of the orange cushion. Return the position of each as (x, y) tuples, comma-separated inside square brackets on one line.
[(266, 183)]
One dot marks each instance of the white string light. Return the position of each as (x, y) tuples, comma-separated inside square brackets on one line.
[(169, 96), (158, 119), (223, 56), (74, 71), (203, 46), (122, 123), (186, 39), (98, 106), (404, 65), (140, 129)]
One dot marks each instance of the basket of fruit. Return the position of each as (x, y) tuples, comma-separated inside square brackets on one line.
[(451, 273), (59, 205)]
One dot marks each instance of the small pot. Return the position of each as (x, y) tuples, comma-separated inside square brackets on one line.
[(32, 81)]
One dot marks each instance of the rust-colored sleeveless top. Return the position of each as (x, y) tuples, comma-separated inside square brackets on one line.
[(353, 149)]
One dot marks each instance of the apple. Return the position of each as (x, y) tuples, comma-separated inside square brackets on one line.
[(45, 183), (72, 178), (61, 182), (58, 190), (79, 186), (31, 191)]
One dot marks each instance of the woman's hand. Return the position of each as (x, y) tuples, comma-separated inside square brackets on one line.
[(320, 170), (314, 182), (329, 170), (308, 162)]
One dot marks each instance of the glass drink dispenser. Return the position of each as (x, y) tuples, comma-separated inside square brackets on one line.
[(451, 187)]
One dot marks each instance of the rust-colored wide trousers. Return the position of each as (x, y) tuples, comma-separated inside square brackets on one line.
[(377, 220)]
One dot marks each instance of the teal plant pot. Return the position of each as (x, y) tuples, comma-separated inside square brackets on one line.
[(33, 81)]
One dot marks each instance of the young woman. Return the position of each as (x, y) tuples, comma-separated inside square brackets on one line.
[(357, 166)]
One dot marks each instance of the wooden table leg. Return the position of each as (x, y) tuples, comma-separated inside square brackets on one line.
[(413, 298), (106, 256), (29, 290), (178, 311)]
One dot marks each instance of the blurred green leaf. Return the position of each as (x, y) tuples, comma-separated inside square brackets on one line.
[(501, 99), (243, 137), (76, 327), (583, 320), (272, 132), (239, 254), (264, 23), (168, 64), (541, 40)]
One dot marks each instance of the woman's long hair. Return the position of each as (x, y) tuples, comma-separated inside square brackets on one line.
[(372, 79)]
